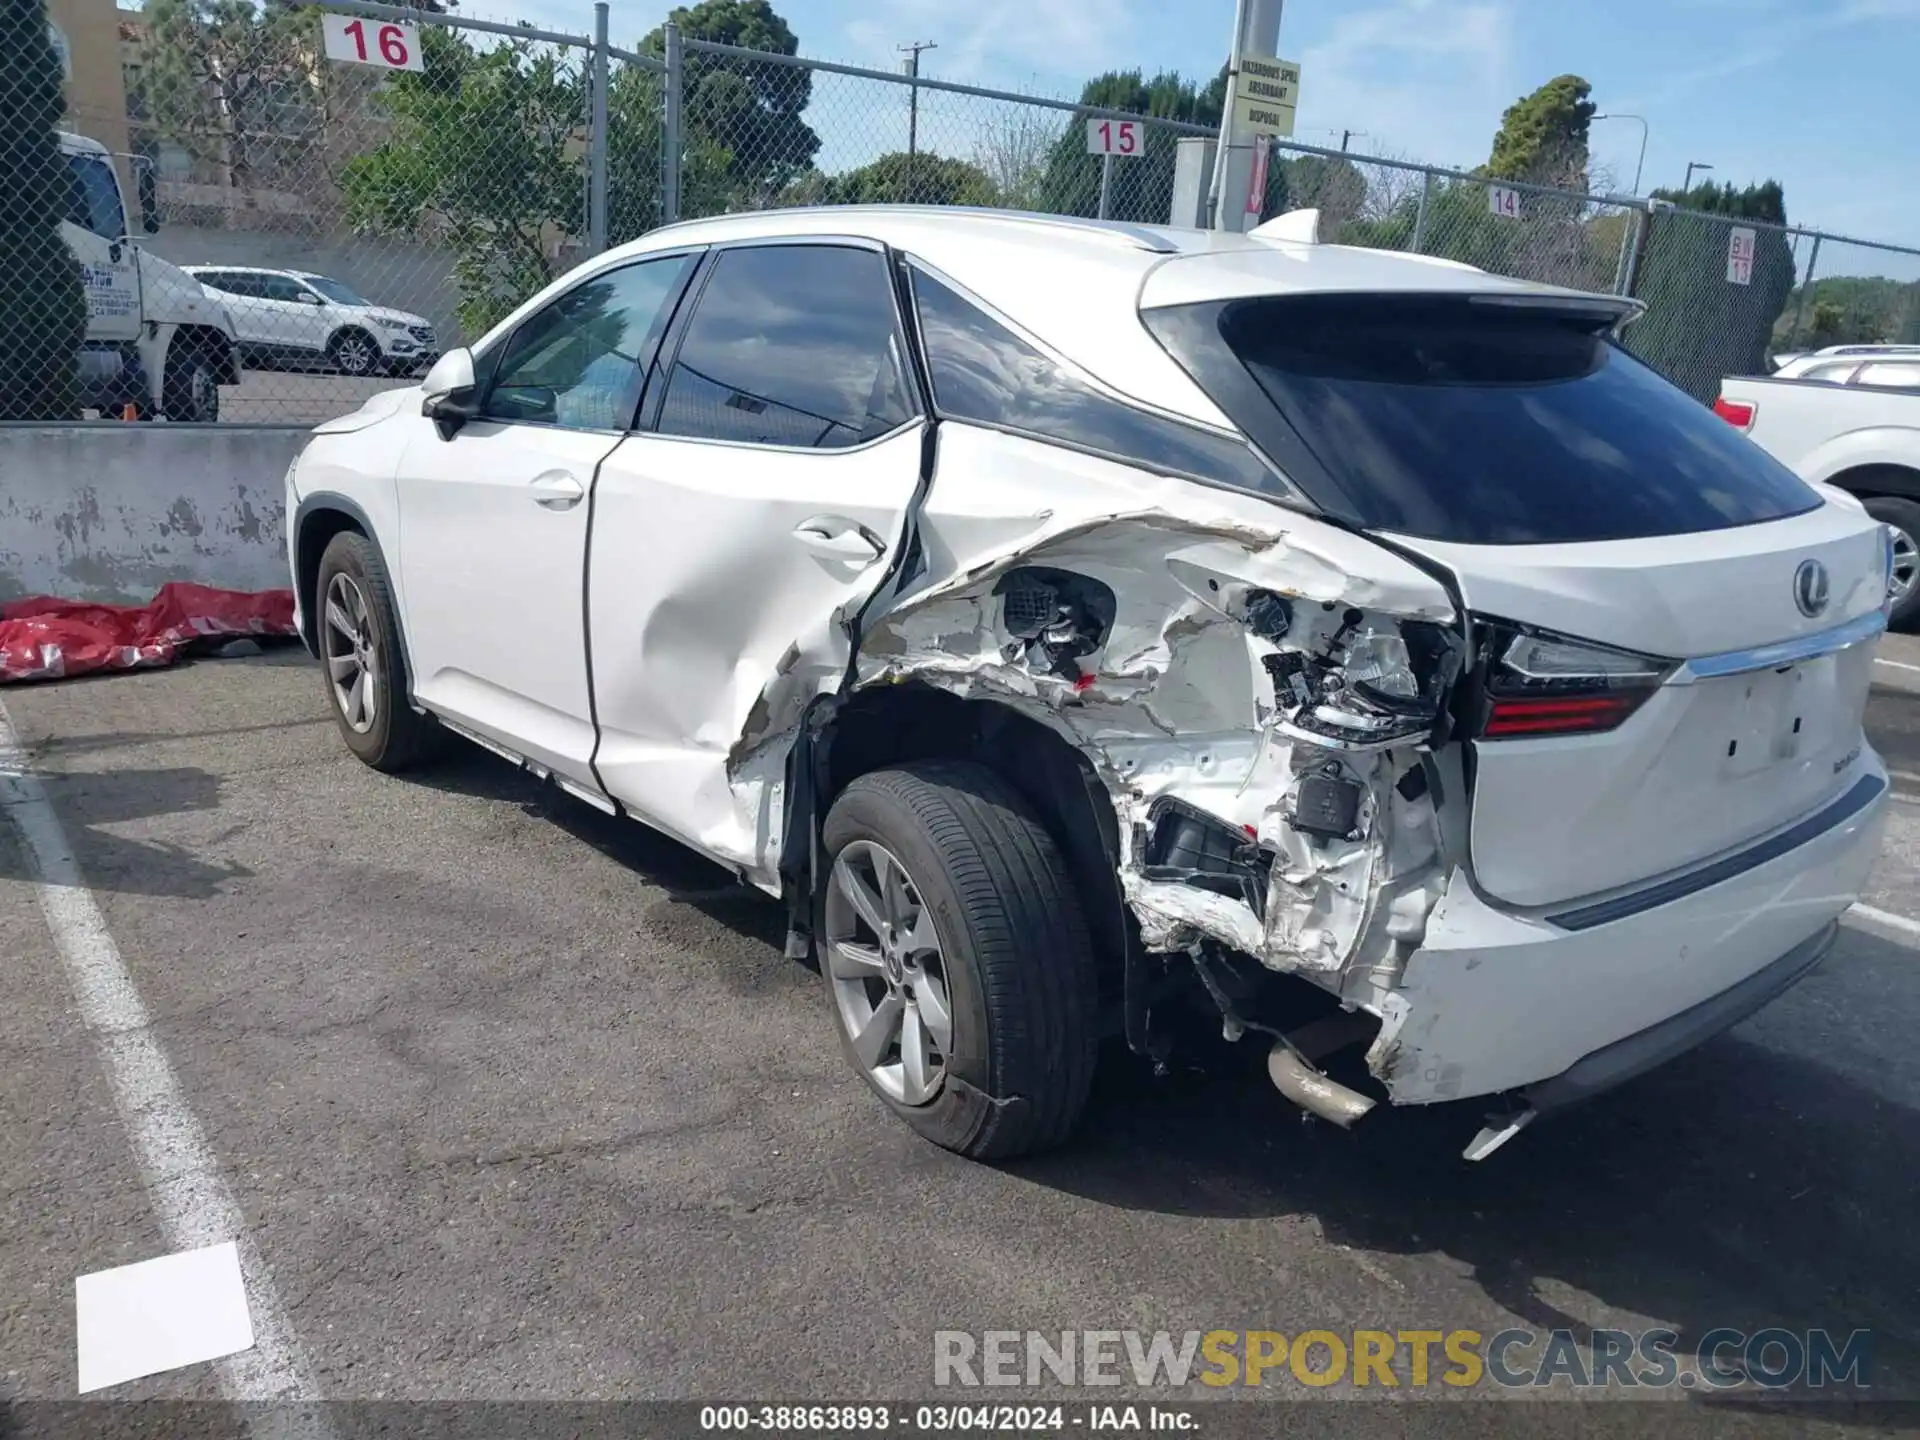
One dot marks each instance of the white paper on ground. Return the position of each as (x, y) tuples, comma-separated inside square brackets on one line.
[(160, 1314)]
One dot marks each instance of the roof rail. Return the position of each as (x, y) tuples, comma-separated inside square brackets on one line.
[(1132, 236)]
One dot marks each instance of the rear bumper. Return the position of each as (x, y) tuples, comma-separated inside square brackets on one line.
[(1677, 1034), (1497, 1002)]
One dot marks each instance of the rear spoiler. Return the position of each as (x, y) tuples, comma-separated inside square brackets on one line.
[(1302, 227)]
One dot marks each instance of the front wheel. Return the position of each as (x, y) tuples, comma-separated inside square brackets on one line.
[(364, 671), (957, 960), (1903, 594), (354, 353)]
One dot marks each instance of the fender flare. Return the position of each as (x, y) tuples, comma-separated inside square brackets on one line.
[(334, 502)]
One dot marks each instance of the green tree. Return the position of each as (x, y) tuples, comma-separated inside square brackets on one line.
[(1334, 187), (1142, 189), (221, 78), (636, 149), (1543, 136), (1700, 326), (1863, 309), (43, 306), (485, 155), (922, 179), (743, 116)]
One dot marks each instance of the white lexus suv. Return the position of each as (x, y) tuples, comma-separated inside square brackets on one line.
[(1094, 630)]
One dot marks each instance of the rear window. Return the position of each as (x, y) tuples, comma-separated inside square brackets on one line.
[(1453, 420)]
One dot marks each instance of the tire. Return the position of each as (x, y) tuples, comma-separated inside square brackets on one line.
[(1904, 517), (376, 720), (355, 352), (190, 391), (1014, 966)]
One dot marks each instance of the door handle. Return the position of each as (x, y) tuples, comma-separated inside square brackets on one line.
[(838, 538), (557, 490)]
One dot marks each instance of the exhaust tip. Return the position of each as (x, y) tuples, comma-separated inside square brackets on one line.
[(1312, 1091)]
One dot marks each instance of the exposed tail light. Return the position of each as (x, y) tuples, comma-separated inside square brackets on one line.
[(1539, 683), (1737, 413)]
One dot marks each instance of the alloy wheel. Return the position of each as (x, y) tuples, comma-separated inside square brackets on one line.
[(352, 657), (888, 973), (355, 355), (1906, 566), (203, 391)]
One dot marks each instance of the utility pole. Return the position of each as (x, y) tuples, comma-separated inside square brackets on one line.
[(911, 65), (1256, 31), (1641, 163), (1346, 135)]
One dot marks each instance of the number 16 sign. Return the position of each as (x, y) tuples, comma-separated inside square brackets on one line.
[(371, 42)]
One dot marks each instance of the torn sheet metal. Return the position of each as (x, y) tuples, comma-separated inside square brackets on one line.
[(1244, 675)]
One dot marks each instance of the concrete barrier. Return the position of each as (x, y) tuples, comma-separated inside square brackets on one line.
[(113, 512)]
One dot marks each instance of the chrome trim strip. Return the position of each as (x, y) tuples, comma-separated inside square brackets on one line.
[(1782, 652)]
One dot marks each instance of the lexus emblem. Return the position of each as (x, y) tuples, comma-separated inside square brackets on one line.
[(1810, 588)]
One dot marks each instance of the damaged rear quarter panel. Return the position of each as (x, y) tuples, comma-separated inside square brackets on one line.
[(1178, 701)]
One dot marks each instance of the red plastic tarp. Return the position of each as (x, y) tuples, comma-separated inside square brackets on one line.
[(42, 638)]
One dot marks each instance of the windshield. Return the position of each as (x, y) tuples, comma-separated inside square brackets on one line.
[(335, 291), (1450, 419)]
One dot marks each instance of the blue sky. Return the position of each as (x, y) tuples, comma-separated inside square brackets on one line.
[(1815, 93)]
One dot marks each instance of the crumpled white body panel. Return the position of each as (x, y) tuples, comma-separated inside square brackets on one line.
[(1176, 703)]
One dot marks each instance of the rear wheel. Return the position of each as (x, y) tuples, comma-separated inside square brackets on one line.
[(190, 391), (1903, 516), (957, 960), (360, 656)]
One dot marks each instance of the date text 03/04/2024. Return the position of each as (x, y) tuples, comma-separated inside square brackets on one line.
[(942, 1419)]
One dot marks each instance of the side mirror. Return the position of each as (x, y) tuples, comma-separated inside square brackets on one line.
[(452, 394), (307, 297), (149, 200)]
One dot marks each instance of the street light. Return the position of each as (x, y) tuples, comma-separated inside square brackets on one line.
[(1641, 163), (1692, 165)]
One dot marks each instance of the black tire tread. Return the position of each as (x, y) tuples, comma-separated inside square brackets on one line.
[(1029, 943), (411, 737), (175, 381)]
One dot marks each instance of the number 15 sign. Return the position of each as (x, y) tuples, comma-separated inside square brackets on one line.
[(371, 42), (1114, 137)]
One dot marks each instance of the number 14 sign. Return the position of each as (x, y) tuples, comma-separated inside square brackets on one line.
[(371, 42)]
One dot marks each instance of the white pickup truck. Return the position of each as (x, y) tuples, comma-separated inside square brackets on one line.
[(156, 339), (1861, 434)]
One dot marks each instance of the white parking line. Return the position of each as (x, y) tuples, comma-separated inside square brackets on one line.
[(1876, 916), (189, 1195), (1897, 664)]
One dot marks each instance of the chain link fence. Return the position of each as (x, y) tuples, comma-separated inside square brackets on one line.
[(349, 222)]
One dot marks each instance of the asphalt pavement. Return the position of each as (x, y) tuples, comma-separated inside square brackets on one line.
[(520, 1101), (298, 397)]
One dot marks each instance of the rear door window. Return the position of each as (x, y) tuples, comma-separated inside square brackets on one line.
[(1460, 420)]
